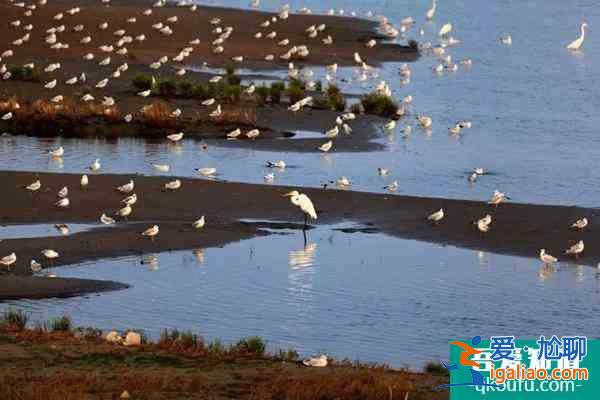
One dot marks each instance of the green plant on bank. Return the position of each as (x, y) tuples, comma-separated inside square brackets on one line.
[(277, 89), (230, 76), (262, 93), (332, 99), (378, 104), (289, 355), (216, 347), (294, 92), (166, 87), (27, 74), (436, 368), (185, 339), (142, 82), (185, 88), (15, 318), (232, 93), (335, 98), (252, 345), (62, 324), (319, 86)]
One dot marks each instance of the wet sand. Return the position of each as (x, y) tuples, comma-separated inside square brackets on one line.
[(518, 229)]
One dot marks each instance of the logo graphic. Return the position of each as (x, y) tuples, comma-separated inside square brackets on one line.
[(502, 367), (468, 351)]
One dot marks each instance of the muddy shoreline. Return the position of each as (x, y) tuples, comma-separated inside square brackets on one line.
[(518, 229)]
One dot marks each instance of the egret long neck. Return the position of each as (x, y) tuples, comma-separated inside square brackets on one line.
[(582, 32)]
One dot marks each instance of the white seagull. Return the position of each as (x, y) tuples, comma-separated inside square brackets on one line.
[(547, 258), (576, 249), (436, 216)]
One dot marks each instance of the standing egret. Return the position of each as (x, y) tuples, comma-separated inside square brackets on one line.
[(431, 12), (303, 201), (577, 43)]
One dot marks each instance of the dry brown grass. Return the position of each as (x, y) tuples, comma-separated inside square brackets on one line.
[(342, 384), (157, 114), (237, 116), (42, 110), (9, 105)]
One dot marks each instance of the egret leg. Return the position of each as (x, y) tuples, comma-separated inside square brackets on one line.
[(305, 221)]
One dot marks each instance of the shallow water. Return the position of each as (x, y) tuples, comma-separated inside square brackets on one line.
[(364, 296), (22, 231)]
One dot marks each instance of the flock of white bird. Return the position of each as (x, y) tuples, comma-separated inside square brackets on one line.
[(222, 34)]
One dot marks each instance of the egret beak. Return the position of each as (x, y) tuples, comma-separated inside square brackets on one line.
[(287, 194)]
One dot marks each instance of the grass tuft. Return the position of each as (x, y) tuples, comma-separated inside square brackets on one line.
[(436, 369), (15, 318), (252, 345), (62, 324), (375, 103)]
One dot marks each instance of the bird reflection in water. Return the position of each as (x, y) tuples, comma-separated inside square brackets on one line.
[(150, 261), (546, 272), (304, 257), (199, 254)]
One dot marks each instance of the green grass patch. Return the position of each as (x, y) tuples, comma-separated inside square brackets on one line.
[(375, 103), (15, 318), (62, 324)]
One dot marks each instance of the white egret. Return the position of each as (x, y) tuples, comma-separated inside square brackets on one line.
[(577, 43), (306, 205), (431, 12)]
